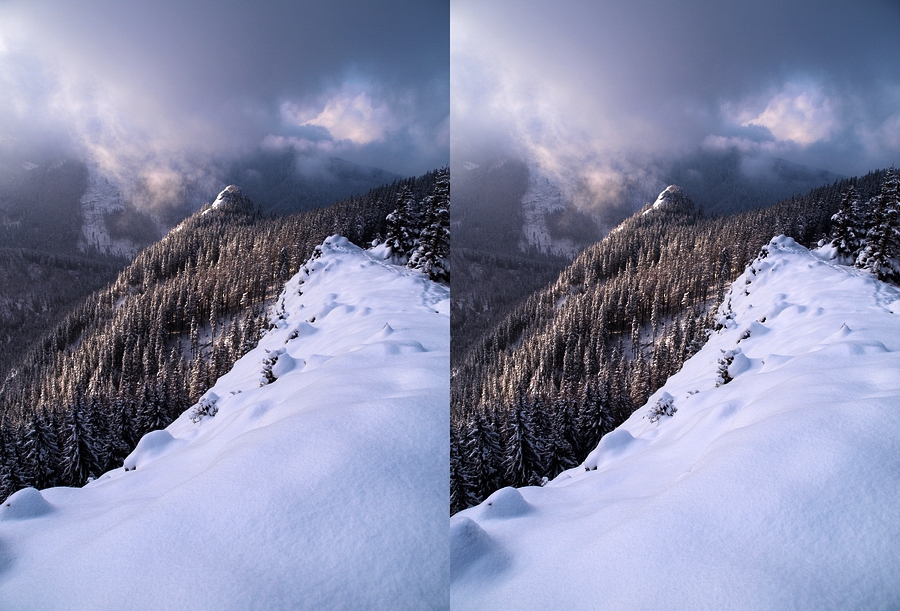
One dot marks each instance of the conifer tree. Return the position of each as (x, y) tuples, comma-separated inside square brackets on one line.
[(882, 244), (402, 225), (848, 225), (78, 460), (522, 452), (432, 252), (41, 451), (483, 456)]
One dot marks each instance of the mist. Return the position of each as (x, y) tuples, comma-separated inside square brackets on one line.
[(158, 93), (617, 92)]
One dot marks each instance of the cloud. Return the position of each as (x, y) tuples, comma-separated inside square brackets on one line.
[(350, 114), (619, 84), (171, 83), (800, 113)]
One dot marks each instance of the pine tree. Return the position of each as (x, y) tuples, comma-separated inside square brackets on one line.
[(461, 487), (41, 451), (522, 451), (402, 224), (560, 454), (78, 459), (848, 229), (882, 244), (432, 252), (483, 456)]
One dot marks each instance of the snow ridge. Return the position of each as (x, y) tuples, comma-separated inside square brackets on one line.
[(311, 476), (763, 475)]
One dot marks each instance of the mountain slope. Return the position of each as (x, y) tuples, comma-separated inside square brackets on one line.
[(136, 354), (324, 487), (773, 484), (573, 361)]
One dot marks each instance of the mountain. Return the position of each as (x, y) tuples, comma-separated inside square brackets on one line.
[(536, 393), (492, 275), (284, 181), (311, 475), (728, 181), (131, 357), (763, 474), (68, 227), (43, 271), (516, 225)]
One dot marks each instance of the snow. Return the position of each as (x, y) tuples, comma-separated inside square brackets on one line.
[(325, 489), (776, 490), (668, 194), (102, 197), (543, 196)]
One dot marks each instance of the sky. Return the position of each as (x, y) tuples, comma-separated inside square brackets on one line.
[(171, 83), (591, 82)]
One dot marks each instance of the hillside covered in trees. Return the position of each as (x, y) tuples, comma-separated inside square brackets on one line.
[(573, 361), (138, 353)]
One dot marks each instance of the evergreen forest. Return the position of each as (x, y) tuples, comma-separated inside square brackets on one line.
[(535, 394), (133, 356)]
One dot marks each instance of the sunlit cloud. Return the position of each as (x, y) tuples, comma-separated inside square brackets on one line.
[(349, 113), (800, 113)]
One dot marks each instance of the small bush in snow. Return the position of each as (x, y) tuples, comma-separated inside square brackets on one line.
[(665, 406), (723, 377), (267, 376), (206, 407), (268, 373)]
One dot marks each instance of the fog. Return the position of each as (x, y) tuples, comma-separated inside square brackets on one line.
[(160, 90), (620, 89)]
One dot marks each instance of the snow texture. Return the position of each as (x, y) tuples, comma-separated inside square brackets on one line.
[(99, 199), (543, 196), (777, 490), (669, 195), (325, 489)]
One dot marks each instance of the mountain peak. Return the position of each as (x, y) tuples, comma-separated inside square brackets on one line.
[(670, 195), (233, 199), (672, 198)]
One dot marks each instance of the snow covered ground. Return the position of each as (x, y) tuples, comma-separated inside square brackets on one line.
[(542, 197), (778, 489), (101, 198), (323, 489)]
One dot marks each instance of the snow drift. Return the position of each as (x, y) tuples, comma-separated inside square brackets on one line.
[(312, 476), (764, 475)]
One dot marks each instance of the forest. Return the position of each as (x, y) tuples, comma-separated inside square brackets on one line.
[(136, 354), (534, 395)]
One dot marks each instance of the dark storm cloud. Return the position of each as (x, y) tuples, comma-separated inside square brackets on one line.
[(817, 83), (173, 80)]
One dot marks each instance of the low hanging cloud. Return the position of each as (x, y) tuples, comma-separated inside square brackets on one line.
[(798, 113), (165, 88), (348, 114), (615, 90)]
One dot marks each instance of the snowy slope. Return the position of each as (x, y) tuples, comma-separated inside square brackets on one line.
[(325, 489), (779, 489), (101, 198), (543, 196)]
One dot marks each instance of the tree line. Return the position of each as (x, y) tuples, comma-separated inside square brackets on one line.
[(135, 355), (571, 363)]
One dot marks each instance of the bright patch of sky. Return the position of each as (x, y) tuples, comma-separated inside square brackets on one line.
[(800, 114)]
